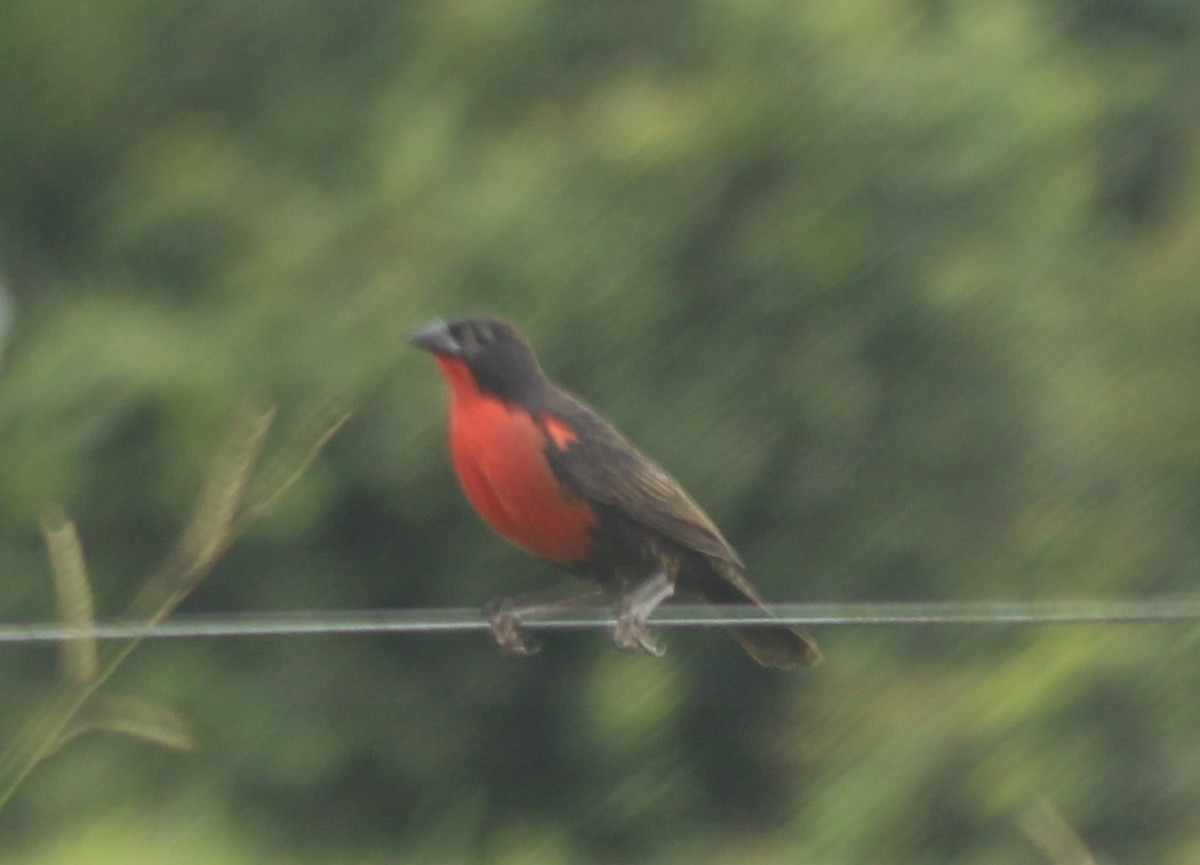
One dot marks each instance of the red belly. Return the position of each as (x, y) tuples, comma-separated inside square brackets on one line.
[(499, 455)]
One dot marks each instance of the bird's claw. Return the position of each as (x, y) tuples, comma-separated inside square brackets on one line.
[(630, 632), (505, 622), (631, 635)]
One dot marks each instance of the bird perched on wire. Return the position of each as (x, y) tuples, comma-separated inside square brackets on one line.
[(559, 481)]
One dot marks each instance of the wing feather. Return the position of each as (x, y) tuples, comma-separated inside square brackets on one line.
[(604, 467)]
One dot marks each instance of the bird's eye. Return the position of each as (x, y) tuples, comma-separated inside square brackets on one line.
[(473, 337)]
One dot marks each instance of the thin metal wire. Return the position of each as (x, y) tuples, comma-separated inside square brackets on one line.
[(425, 621)]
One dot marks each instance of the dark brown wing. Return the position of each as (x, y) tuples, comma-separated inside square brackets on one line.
[(591, 458), (602, 466)]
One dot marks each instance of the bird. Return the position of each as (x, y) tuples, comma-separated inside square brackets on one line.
[(553, 477)]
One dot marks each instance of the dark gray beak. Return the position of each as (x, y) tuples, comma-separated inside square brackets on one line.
[(436, 337)]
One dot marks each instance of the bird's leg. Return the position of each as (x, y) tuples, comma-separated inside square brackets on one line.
[(635, 607), (505, 622), (506, 615)]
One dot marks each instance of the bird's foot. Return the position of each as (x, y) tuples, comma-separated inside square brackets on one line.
[(507, 616), (630, 633), (505, 620)]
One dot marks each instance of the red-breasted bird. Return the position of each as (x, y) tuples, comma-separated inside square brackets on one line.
[(556, 479)]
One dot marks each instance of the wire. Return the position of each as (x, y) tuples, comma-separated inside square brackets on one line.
[(425, 621)]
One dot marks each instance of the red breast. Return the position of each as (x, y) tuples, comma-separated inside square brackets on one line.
[(499, 454)]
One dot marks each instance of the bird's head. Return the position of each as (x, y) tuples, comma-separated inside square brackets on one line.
[(497, 356)]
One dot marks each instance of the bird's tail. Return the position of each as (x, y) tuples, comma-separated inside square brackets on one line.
[(770, 645)]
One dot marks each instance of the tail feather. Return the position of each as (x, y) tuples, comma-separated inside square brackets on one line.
[(779, 646)]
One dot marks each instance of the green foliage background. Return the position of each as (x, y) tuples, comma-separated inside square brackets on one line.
[(904, 291)]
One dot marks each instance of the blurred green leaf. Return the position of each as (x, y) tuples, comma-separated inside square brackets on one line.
[(80, 657), (136, 718)]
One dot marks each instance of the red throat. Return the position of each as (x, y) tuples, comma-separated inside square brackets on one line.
[(499, 454)]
